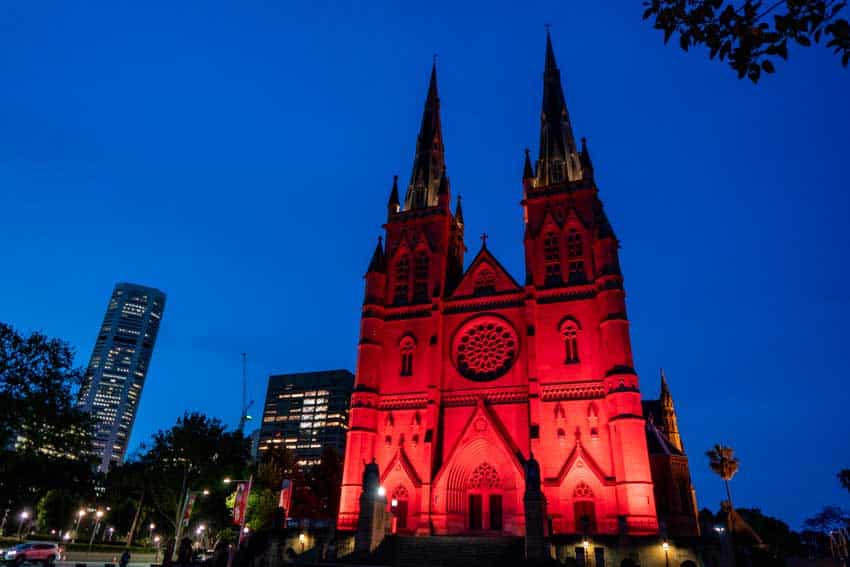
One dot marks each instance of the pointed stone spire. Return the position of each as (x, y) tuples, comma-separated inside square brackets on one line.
[(527, 170), (393, 203), (669, 421), (379, 262), (458, 212), (429, 162), (559, 160), (586, 164)]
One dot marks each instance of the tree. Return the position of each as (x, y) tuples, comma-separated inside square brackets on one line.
[(829, 519), (44, 438), (844, 478), (196, 454), (54, 510), (722, 461), (775, 533), (750, 35), (38, 384)]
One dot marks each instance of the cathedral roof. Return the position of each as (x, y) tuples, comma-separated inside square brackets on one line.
[(473, 281)]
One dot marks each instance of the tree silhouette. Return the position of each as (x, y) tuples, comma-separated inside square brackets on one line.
[(750, 36)]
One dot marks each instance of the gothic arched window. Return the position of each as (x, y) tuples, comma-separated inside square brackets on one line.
[(420, 276), (402, 278), (552, 257), (569, 331), (407, 346), (485, 476), (575, 256)]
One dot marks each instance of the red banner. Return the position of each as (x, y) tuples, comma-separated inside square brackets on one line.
[(240, 505), (187, 510), (285, 496)]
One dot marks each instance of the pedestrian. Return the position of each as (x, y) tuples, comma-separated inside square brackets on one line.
[(125, 558)]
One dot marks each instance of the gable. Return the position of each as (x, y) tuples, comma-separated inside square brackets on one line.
[(485, 276)]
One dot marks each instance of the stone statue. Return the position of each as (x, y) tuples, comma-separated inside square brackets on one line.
[(371, 477), (532, 474)]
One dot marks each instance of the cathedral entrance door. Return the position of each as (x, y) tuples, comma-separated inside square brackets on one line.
[(496, 512), (476, 512)]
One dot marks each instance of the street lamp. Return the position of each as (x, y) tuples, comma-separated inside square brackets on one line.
[(302, 538), (666, 547), (80, 513), (99, 514), (151, 528), (183, 511), (23, 518)]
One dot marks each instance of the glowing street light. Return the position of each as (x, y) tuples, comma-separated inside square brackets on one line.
[(382, 491), (23, 519), (666, 547), (302, 538)]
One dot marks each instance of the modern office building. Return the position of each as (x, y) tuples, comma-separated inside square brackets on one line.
[(306, 412), (118, 366)]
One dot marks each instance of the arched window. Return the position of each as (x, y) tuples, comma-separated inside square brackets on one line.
[(485, 476), (575, 256), (552, 256), (556, 171), (569, 330), (420, 276), (407, 346), (402, 278)]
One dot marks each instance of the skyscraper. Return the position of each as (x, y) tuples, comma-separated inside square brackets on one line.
[(118, 367), (307, 412)]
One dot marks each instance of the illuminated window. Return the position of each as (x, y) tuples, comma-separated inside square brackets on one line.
[(420, 277), (575, 253), (569, 331), (552, 256), (407, 346), (402, 275)]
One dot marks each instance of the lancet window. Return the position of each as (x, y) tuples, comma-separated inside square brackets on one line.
[(552, 257), (407, 346), (402, 278), (569, 332)]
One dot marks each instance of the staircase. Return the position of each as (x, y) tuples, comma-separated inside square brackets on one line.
[(452, 551)]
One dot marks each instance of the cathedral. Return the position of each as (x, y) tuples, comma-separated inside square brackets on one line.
[(464, 375)]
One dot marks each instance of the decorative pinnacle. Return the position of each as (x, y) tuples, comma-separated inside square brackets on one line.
[(484, 238)]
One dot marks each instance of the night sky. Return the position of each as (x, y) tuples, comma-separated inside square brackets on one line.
[(239, 157)]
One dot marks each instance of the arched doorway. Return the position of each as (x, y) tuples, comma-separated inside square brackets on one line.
[(584, 509), (484, 493), (399, 508)]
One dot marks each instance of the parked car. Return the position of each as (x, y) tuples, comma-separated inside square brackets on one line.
[(33, 552)]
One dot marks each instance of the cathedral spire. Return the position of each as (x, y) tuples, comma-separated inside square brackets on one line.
[(458, 212), (393, 204), (669, 421), (559, 160), (429, 162), (378, 262)]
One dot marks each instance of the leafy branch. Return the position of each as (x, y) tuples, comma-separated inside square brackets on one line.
[(750, 36)]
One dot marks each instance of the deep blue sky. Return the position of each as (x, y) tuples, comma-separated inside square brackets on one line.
[(240, 157)]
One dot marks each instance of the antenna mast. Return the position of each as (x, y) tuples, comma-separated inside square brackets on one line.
[(246, 405)]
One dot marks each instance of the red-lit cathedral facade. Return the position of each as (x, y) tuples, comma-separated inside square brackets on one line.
[(462, 375)]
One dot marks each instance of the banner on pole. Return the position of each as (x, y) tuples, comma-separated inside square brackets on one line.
[(187, 510), (285, 496), (240, 505)]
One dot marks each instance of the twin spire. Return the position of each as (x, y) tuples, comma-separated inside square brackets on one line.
[(559, 160)]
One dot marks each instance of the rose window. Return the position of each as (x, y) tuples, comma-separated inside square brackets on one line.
[(485, 348)]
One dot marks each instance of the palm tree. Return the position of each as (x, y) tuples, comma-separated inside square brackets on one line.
[(722, 461)]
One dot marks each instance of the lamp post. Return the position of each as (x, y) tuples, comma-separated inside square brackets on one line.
[(80, 513), (156, 542), (184, 511), (23, 518), (151, 528), (242, 531), (99, 514), (666, 547)]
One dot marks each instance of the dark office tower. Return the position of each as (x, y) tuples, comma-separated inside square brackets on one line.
[(307, 412), (118, 367)]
